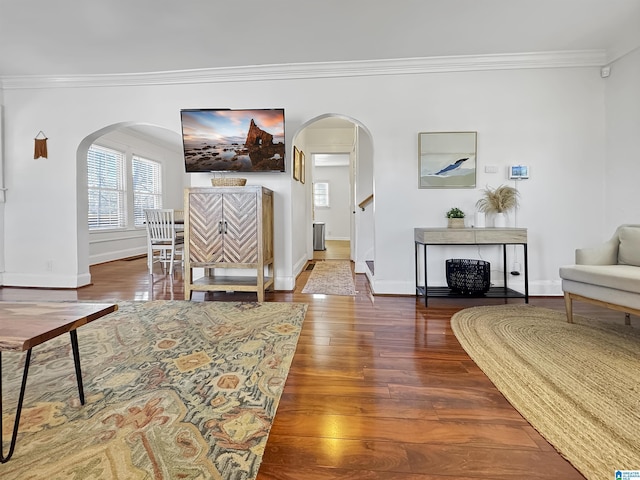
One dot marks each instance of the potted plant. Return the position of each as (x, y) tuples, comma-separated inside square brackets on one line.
[(498, 201), (455, 218)]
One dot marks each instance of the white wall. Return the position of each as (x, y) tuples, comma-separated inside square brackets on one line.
[(301, 249), (622, 195), (552, 119), (365, 218), (2, 193)]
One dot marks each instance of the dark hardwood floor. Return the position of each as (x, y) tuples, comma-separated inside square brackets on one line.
[(379, 387)]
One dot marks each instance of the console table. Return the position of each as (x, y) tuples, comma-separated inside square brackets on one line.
[(424, 237)]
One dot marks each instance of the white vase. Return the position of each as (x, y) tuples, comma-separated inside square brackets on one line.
[(500, 220), (480, 220)]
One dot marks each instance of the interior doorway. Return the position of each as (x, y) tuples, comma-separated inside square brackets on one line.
[(333, 133), (332, 204)]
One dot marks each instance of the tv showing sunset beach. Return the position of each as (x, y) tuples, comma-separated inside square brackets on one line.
[(226, 140)]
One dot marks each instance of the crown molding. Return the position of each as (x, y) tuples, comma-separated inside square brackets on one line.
[(296, 71)]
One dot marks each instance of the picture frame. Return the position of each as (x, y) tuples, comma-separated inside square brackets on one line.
[(447, 159), (296, 163), (302, 167)]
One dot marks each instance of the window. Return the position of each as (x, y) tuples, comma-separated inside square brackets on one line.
[(105, 175), (147, 187), (321, 194), (119, 190)]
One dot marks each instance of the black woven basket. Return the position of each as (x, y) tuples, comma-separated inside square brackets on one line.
[(469, 277)]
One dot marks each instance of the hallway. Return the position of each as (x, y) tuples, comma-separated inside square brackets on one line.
[(335, 250)]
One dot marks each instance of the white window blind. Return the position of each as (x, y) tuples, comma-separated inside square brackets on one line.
[(105, 176), (321, 194), (147, 187)]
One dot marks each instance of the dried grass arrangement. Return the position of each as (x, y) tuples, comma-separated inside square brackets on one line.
[(498, 200)]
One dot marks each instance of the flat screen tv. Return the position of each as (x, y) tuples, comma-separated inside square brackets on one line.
[(225, 140)]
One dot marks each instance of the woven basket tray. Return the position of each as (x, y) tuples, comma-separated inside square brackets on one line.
[(470, 277), (228, 182)]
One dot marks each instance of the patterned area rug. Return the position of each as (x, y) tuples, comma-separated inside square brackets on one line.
[(577, 384), (175, 390), (331, 277)]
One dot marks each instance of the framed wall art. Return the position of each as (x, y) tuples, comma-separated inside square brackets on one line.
[(447, 159), (302, 167), (296, 163)]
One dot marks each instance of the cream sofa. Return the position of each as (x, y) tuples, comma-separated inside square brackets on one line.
[(607, 275)]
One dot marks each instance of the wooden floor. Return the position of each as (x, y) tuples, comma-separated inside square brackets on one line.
[(379, 387), (335, 250)]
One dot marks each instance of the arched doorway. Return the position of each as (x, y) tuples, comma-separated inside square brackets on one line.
[(165, 146), (339, 134)]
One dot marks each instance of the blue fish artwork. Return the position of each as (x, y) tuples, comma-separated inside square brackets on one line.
[(452, 166)]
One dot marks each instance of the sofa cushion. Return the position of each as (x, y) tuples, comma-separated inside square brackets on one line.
[(629, 249), (620, 277)]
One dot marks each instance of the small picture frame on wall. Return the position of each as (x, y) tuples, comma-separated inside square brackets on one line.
[(302, 167), (447, 159), (296, 163)]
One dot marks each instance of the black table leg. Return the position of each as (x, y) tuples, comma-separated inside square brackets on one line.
[(16, 422), (415, 251), (526, 275), (76, 362), (504, 268), (426, 288)]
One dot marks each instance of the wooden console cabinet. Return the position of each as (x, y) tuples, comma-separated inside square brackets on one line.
[(228, 228)]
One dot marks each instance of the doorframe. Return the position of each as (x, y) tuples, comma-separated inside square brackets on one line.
[(350, 208), (362, 134)]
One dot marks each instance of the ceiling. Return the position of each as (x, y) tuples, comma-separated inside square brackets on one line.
[(68, 37)]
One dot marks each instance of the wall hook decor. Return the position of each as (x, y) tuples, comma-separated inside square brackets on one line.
[(40, 147)]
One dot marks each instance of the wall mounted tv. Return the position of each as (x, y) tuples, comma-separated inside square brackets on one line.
[(225, 140)]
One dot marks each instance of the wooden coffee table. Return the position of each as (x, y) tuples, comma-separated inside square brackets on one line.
[(25, 325)]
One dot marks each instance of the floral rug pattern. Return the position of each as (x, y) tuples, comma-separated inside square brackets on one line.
[(174, 389), (331, 277)]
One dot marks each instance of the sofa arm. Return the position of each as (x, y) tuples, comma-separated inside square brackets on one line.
[(604, 254)]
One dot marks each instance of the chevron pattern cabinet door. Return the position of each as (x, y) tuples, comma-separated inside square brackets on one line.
[(229, 236), (205, 217), (241, 228)]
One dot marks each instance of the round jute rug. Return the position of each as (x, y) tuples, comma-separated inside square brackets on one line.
[(577, 384)]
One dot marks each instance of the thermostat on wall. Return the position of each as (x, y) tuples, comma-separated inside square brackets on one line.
[(518, 172)]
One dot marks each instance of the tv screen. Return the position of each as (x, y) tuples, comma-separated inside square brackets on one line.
[(224, 140)]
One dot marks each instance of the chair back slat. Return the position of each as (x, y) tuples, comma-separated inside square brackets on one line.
[(163, 243), (160, 225)]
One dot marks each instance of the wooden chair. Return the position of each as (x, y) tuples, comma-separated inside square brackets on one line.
[(163, 245), (178, 216)]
